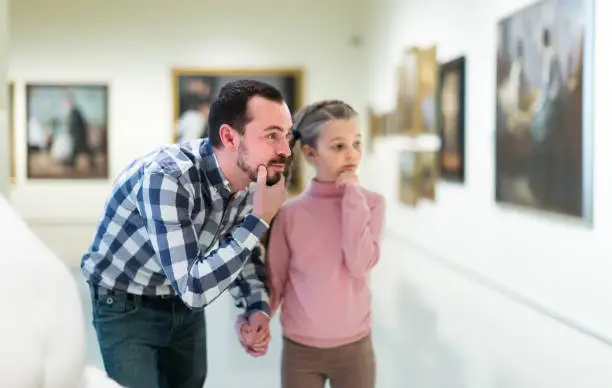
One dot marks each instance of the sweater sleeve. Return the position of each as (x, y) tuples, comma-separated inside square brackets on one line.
[(278, 257), (362, 224)]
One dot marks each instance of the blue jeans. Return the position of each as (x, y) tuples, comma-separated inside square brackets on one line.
[(150, 342)]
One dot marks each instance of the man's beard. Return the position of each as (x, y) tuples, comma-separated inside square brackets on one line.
[(252, 172)]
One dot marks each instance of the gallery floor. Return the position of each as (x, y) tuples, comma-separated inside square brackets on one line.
[(433, 328)]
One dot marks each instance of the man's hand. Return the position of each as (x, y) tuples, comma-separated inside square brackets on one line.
[(348, 178), (268, 199)]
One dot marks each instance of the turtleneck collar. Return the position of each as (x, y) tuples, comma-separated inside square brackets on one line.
[(319, 188)]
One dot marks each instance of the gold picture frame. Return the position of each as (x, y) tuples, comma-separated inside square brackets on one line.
[(417, 91), (196, 87), (11, 132)]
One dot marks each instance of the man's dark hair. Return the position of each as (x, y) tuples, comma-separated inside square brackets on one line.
[(230, 106)]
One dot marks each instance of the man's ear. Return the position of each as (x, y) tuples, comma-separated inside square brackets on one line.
[(229, 137)]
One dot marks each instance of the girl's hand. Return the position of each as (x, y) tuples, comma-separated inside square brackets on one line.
[(347, 178)]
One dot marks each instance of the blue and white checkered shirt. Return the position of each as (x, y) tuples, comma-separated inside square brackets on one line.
[(161, 225)]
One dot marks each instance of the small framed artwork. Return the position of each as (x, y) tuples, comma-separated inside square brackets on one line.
[(418, 176), (11, 133), (195, 89), (67, 131), (416, 97), (374, 124), (451, 120)]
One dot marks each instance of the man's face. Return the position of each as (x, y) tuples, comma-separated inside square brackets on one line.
[(266, 139)]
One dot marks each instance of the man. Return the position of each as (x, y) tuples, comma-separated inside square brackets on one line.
[(151, 267)]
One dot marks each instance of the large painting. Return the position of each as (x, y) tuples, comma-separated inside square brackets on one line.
[(67, 131), (194, 90), (543, 132), (11, 132), (416, 96), (451, 119)]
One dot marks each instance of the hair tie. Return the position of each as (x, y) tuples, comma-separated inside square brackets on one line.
[(296, 135)]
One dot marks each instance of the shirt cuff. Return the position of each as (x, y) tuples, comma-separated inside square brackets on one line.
[(261, 306), (261, 220), (254, 227)]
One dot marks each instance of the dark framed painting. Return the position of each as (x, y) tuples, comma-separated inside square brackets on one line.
[(544, 130), (451, 120), (11, 133), (67, 131), (195, 89)]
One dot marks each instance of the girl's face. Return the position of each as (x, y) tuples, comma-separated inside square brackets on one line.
[(338, 149)]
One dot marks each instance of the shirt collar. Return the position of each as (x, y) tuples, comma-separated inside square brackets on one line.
[(213, 171)]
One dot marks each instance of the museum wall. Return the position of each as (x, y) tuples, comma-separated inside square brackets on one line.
[(133, 47), (4, 135), (553, 263)]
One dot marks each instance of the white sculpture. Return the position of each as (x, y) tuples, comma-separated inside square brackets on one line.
[(42, 332)]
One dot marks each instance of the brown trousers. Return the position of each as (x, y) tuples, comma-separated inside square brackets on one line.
[(347, 366)]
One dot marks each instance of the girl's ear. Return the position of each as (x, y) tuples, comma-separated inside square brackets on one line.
[(309, 152)]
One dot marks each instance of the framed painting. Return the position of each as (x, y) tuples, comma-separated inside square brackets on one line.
[(195, 89), (544, 121), (11, 133), (451, 120), (374, 124), (67, 131), (417, 85), (418, 175)]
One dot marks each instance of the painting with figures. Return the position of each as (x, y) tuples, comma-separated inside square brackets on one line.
[(195, 89), (451, 119), (67, 131), (543, 130)]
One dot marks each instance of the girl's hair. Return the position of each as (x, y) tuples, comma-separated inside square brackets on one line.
[(310, 120), (308, 124)]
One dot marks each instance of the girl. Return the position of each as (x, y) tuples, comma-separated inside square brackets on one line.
[(322, 247)]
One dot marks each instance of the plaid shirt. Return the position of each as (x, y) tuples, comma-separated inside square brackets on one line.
[(158, 232)]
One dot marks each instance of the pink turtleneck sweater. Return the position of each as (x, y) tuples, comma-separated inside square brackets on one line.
[(323, 245)]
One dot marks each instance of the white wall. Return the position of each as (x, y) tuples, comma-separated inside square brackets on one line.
[(133, 46), (4, 144), (554, 262)]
